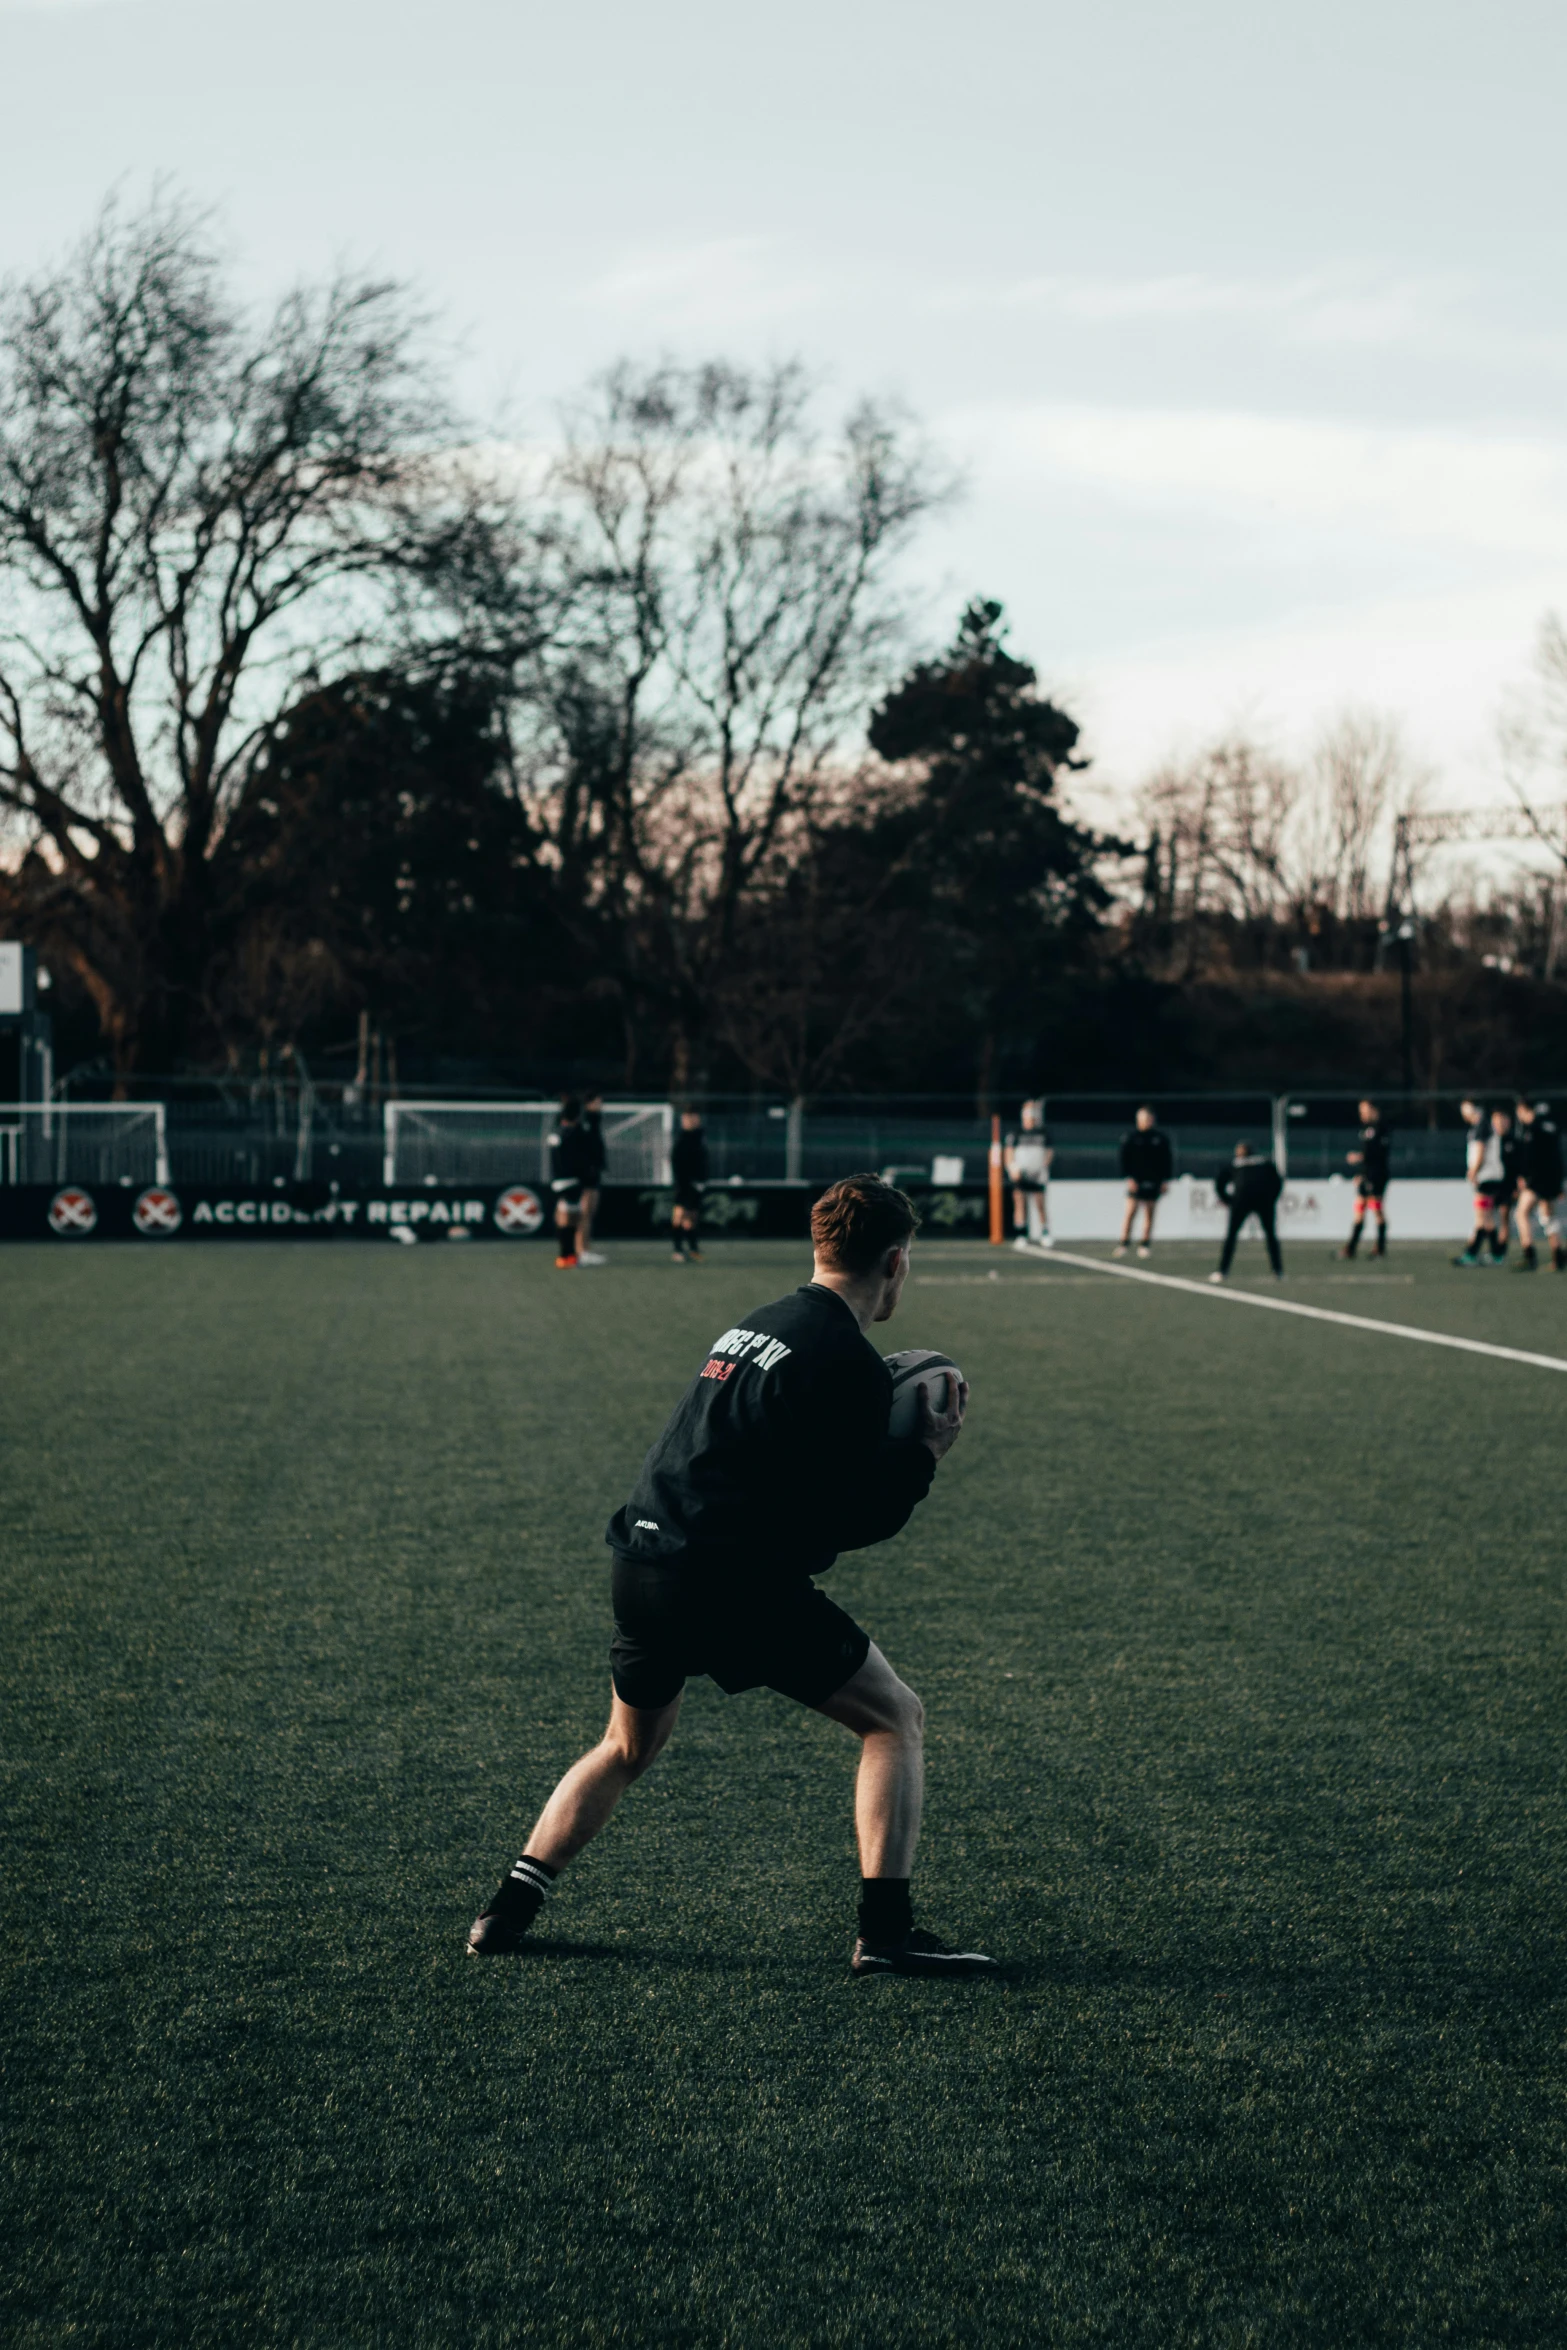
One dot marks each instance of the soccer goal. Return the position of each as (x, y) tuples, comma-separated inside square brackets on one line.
[(83, 1142), (509, 1142)]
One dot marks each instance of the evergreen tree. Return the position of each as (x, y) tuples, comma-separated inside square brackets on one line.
[(1004, 880)]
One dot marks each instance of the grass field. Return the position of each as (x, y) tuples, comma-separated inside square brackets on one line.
[(1243, 1644)]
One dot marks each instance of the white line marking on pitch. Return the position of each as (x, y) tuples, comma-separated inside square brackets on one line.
[(1286, 1305)]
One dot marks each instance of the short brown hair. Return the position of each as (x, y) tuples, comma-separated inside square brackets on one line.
[(855, 1223)]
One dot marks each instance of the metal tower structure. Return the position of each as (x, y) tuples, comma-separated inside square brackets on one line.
[(1439, 828)]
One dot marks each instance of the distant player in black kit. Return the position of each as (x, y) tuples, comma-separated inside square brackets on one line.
[(1147, 1163), (571, 1164), (688, 1165), (1374, 1159), (593, 1180), (1539, 1146), (775, 1459), (1249, 1186)]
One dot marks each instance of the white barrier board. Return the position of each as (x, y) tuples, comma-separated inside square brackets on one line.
[(1317, 1209)]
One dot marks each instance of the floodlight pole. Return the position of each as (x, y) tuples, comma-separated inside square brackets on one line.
[(1398, 921), (1406, 989)]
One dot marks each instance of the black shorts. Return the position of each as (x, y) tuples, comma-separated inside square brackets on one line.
[(1147, 1191), (1368, 1188), (687, 1199), (566, 1195), (671, 1622), (1493, 1194)]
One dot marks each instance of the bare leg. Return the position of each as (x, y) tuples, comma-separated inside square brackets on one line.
[(1128, 1220), (592, 1787), (889, 1787)]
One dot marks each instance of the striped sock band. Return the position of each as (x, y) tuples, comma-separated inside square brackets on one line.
[(533, 1875)]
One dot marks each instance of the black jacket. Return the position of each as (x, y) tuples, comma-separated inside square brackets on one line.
[(1247, 1185), (688, 1159), (598, 1151), (1376, 1155), (1540, 1156), (1146, 1157), (777, 1456), (571, 1158)]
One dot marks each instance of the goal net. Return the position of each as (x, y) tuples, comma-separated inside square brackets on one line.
[(509, 1142), (83, 1142)]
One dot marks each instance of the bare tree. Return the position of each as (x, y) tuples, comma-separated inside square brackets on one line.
[(1361, 777), (735, 614), (1219, 826), (199, 515), (1241, 839)]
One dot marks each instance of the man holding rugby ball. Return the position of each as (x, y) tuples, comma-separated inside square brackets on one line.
[(775, 1459)]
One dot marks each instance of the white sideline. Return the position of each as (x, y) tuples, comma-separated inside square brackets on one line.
[(1285, 1305)]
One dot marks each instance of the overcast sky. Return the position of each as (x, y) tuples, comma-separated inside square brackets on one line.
[(1245, 322)]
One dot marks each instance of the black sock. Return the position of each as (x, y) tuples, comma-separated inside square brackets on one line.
[(1477, 1244), (886, 1913), (679, 1238), (1353, 1241), (521, 1897), (1498, 1245), (1381, 1240)]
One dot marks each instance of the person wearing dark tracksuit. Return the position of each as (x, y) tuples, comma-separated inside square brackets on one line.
[(1539, 1182), (1249, 1186)]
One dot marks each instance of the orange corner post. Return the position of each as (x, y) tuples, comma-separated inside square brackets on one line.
[(997, 1233)]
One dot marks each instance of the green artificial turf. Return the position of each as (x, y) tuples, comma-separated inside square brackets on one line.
[(1242, 1643)]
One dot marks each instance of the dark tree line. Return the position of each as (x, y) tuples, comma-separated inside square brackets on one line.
[(311, 718)]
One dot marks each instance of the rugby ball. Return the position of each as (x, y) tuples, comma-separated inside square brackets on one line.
[(914, 1368)]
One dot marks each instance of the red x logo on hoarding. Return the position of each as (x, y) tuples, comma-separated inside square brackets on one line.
[(72, 1210), (157, 1211), (517, 1211)]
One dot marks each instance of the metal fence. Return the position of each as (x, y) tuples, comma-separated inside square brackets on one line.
[(268, 1133)]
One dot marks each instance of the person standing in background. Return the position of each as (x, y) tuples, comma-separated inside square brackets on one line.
[(1539, 1183), (593, 1181), (569, 1163), (1493, 1171), (688, 1166), (1474, 1144), (1147, 1163), (1028, 1156), (1249, 1186), (1374, 1159)]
